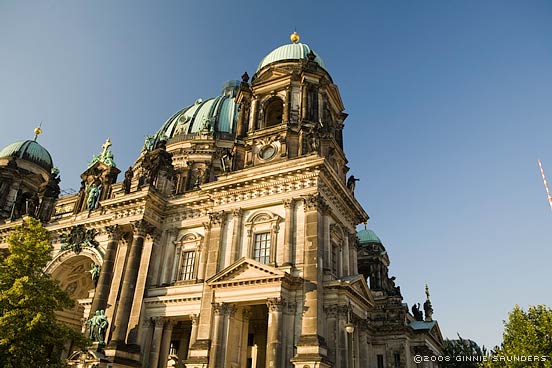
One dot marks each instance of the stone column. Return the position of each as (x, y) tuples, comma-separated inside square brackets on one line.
[(311, 347), (288, 233), (287, 106), (363, 344), (245, 334), (141, 228), (106, 273), (156, 342), (183, 347), (274, 335), (203, 252), (303, 102), (236, 235), (353, 246), (165, 344), (331, 318), (253, 116), (202, 346), (345, 259), (168, 257), (193, 334), (217, 347)]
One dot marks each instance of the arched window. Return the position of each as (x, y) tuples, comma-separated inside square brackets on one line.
[(273, 112)]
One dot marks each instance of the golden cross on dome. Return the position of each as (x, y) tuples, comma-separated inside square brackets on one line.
[(294, 37)]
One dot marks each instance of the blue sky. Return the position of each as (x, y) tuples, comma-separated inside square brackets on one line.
[(449, 108)]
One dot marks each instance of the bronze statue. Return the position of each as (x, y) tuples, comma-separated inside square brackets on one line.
[(93, 195), (95, 272), (129, 174), (417, 313), (98, 326), (351, 183)]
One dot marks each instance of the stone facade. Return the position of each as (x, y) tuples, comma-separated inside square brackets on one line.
[(236, 246)]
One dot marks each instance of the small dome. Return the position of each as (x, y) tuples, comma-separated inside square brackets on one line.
[(217, 114), (30, 151), (294, 51), (368, 236)]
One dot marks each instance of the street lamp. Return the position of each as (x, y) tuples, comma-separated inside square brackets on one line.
[(350, 328)]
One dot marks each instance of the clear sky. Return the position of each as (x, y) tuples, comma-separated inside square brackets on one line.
[(449, 102)]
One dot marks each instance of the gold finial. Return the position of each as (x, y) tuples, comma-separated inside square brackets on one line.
[(37, 131), (294, 37)]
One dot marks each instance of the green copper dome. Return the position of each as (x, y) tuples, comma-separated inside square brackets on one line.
[(368, 236), (30, 151), (294, 51), (217, 114)]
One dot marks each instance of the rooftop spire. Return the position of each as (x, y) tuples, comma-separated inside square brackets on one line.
[(294, 37)]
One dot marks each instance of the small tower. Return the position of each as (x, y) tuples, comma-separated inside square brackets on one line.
[(29, 183), (97, 179), (291, 108)]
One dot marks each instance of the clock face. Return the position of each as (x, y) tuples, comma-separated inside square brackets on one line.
[(267, 152)]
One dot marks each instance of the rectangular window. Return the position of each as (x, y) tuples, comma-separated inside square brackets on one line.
[(380, 361), (397, 357), (187, 265), (334, 259), (261, 252)]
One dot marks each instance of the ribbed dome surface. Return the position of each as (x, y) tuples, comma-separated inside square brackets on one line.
[(30, 151), (368, 236), (294, 51), (217, 114)]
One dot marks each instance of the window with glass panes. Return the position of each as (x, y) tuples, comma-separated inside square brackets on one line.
[(261, 251), (187, 265)]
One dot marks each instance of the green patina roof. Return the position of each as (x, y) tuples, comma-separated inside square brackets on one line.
[(217, 114), (368, 236), (422, 325), (30, 151), (294, 51)]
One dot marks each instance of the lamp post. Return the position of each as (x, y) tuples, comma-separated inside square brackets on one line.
[(350, 329)]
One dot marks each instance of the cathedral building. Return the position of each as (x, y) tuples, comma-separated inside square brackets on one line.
[(230, 242)]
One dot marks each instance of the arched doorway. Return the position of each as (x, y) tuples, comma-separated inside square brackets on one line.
[(75, 278)]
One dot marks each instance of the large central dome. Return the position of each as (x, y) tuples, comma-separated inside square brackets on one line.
[(216, 114)]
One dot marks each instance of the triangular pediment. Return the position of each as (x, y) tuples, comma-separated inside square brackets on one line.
[(356, 283), (271, 74), (244, 270)]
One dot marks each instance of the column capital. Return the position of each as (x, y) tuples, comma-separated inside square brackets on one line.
[(158, 321), (142, 228), (237, 212), (331, 311), (114, 232), (313, 202), (217, 218), (288, 203), (195, 319), (275, 304), (219, 308), (246, 313)]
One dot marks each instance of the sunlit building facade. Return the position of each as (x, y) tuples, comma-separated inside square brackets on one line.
[(230, 242)]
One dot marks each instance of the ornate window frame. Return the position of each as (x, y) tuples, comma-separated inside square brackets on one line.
[(189, 242), (263, 222)]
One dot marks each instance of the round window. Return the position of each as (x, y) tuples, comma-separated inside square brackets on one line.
[(267, 152)]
